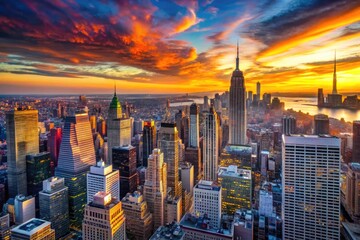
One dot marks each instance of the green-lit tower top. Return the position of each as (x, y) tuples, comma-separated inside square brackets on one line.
[(115, 110)]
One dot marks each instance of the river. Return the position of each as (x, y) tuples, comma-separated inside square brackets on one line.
[(306, 105)]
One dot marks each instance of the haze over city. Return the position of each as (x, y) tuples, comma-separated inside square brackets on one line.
[(58, 47)]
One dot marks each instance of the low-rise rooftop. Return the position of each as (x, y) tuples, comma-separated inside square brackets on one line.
[(169, 231)]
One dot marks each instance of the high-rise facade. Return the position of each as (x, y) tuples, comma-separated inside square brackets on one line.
[(236, 185), (351, 201), (36, 229), (124, 159), (24, 208), (258, 91), (5, 233), (237, 106), (37, 170), (118, 127), (288, 125), (54, 205), (356, 142), (22, 139), (102, 178), (168, 143), (54, 141), (207, 200), (149, 140), (211, 146), (320, 96), (321, 124), (155, 187), (109, 220), (139, 220), (77, 155), (311, 187), (194, 126)]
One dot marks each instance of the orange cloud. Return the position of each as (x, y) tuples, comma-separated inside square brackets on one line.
[(320, 28), (186, 22)]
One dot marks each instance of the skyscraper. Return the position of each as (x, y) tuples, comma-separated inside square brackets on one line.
[(54, 141), (77, 155), (102, 178), (258, 91), (206, 103), (320, 97), (149, 140), (237, 107), (139, 220), (207, 200), (109, 222), (54, 205), (37, 170), (118, 127), (288, 125), (24, 208), (311, 187), (321, 124), (124, 159), (168, 143), (194, 126), (22, 139), (334, 91), (236, 185), (356, 141), (211, 146), (155, 187)]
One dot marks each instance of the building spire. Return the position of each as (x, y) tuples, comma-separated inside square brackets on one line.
[(334, 77), (114, 88), (237, 56)]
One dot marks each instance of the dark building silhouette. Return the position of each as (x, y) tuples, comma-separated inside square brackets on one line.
[(288, 125), (54, 141), (356, 141), (320, 97), (124, 159), (321, 124), (149, 140)]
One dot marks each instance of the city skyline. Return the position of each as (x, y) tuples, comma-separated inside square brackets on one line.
[(177, 47)]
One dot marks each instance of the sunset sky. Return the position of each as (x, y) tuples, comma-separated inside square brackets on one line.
[(180, 46)]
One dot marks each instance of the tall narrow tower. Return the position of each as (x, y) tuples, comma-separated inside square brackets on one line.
[(118, 127), (211, 150), (194, 126), (168, 143), (22, 139), (334, 91), (237, 106), (76, 155)]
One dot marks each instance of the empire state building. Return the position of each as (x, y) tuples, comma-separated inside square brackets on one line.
[(237, 106)]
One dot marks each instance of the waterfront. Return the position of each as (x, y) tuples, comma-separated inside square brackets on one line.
[(306, 105)]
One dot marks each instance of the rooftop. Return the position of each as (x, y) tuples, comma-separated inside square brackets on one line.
[(169, 231), (202, 223), (103, 200), (355, 166), (30, 227), (233, 171), (208, 185), (324, 140), (238, 149)]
